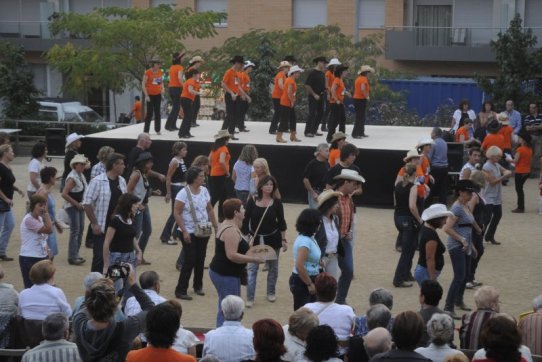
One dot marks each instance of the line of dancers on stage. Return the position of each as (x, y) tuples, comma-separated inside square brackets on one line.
[(324, 86)]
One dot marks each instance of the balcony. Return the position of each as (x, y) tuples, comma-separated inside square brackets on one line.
[(442, 43), (33, 35)]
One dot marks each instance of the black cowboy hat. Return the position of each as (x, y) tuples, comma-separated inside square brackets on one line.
[(290, 58), (319, 59), (237, 59), (465, 185), (493, 126)]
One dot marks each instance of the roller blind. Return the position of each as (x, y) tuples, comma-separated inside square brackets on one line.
[(372, 13), (309, 13)]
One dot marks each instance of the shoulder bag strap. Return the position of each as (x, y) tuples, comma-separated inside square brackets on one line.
[(192, 210), (261, 220)]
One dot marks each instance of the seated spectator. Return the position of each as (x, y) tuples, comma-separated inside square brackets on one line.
[(377, 341), (487, 306), (501, 341), (441, 333), (97, 334), (55, 347), (430, 296), (378, 316), (531, 327), (231, 342), (162, 323), (89, 279), (340, 317), (300, 323), (43, 298), (9, 299), (377, 296), (458, 357), (185, 340), (268, 340), (406, 333), (149, 281), (321, 345)]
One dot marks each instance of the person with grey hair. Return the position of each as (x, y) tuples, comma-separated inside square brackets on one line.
[(441, 333), (377, 296), (300, 323), (99, 167), (231, 342), (54, 347), (377, 341), (378, 315), (9, 300), (531, 327), (487, 306), (315, 173)]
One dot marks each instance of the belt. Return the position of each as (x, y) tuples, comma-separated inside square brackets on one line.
[(464, 225), (178, 184), (330, 254)]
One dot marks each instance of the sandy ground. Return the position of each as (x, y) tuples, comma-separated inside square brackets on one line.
[(514, 267)]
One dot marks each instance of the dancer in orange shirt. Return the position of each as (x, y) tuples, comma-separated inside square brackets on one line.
[(278, 88), (175, 88), (153, 88), (287, 102), (245, 100), (333, 63), (362, 90), (231, 84)]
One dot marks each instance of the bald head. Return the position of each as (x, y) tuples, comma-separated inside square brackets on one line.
[(377, 341)]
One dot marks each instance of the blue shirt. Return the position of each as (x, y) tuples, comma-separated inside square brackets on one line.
[(439, 153), (463, 227), (313, 258), (515, 120), (243, 174)]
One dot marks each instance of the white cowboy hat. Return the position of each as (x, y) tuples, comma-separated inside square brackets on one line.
[(326, 195), (366, 68), (295, 69), (334, 61), (196, 59), (425, 141), (351, 175), (72, 137), (248, 63), (284, 64), (503, 118), (223, 133), (411, 154), (436, 211), (80, 159)]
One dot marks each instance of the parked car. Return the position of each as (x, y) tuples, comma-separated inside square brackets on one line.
[(51, 109)]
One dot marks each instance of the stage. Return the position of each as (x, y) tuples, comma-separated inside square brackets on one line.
[(381, 154)]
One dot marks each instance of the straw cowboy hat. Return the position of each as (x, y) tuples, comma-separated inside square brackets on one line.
[(223, 133), (436, 211), (425, 141), (284, 64), (338, 136), (295, 69), (503, 118), (80, 159), (350, 175), (366, 68), (195, 59), (72, 137), (411, 154), (326, 195), (333, 61)]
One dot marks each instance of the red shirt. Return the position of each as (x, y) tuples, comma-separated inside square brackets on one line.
[(493, 140), (151, 353)]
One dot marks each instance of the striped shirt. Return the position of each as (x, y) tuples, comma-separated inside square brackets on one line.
[(531, 330), (345, 215), (471, 326), (59, 350)]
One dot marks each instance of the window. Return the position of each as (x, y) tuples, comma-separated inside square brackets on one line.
[(156, 3), (434, 22), (309, 13), (371, 14), (218, 6)]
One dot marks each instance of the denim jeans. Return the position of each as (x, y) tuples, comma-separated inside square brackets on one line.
[(460, 264), (272, 276), (97, 252), (77, 225), (7, 224), (346, 264), (421, 274), (492, 216), (121, 258), (313, 204), (405, 225), (243, 196), (170, 225), (194, 260), (143, 227), (300, 291), (25, 263), (225, 285)]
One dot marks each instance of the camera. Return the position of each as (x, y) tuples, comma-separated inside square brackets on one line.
[(117, 271)]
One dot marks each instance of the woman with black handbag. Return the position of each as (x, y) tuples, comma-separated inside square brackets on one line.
[(195, 218)]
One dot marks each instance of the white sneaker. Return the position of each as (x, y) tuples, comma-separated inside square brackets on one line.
[(272, 298), (249, 303), (62, 224)]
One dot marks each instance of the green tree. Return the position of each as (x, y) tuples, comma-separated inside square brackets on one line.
[(517, 62), (261, 106), (16, 83), (120, 42)]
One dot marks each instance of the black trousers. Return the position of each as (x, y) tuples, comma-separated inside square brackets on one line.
[(188, 110), (360, 105), (243, 109), (492, 216), (337, 118), (276, 116), (287, 119), (232, 113), (175, 95), (440, 187), (194, 260), (316, 113), (153, 107), (97, 252), (219, 190), (519, 181), (327, 113), (300, 291), (195, 108)]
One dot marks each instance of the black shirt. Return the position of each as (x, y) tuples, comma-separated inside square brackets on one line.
[(123, 240), (114, 187), (427, 234), (224, 266), (317, 81), (271, 226), (315, 172), (402, 198), (70, 154), (130, 162), (7, 181), (336, 170)]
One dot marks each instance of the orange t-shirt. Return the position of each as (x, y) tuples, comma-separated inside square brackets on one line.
[(334, 154), (329, 79), (277, 92), (525, 158), (154, 82), (493, 140), (360, 81), (174, 80), (216, 168), (425, 165), (462, 131), (185, 93), (151, 353), (506, 131), (136, 110), (245, 82), (284, 99), (419, 173), (232, 81), (339, 91)]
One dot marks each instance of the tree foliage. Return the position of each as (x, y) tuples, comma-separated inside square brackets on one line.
[(118, 43), (16, 83), (261, 102), (517, 63)]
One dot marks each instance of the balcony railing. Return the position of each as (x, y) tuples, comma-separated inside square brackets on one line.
[(25, 29)]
